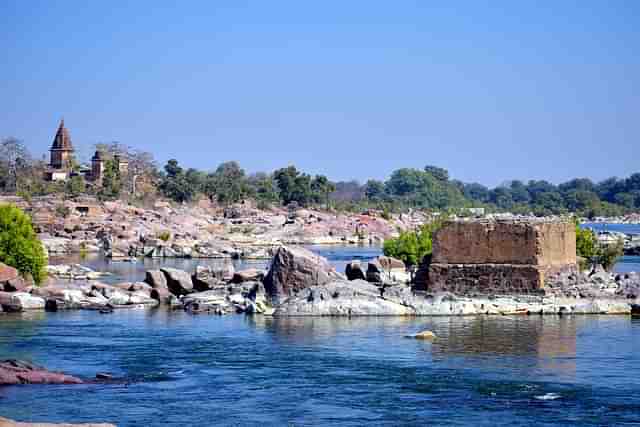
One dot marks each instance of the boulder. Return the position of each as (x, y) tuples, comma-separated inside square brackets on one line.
[(156, 279), (354, 271), (20, 301), (21, 372), (178, 281), (249, 275), (387, 270), (294, 269), (213, 302)]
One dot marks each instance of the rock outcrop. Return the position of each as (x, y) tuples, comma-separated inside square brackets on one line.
[(294, 269)]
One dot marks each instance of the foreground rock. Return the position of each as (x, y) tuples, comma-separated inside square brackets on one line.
[(20, 372), (294, 269), (5, 422)]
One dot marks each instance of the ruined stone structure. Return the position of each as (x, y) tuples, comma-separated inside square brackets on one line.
[(498, 256), (60, 165)]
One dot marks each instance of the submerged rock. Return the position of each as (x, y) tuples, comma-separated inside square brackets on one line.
[(21, 372)]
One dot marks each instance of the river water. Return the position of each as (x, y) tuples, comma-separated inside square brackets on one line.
[(183, 370), (177, 369)]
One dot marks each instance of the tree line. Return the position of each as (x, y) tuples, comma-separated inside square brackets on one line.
[(428, 188)]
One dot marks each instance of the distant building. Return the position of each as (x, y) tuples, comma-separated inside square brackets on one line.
[(61, 163), (98, 165)]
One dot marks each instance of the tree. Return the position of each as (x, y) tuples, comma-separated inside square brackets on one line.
[(75, 186), (111, 181), (174, 184), (374, 190), (322, 187), (438, 173), (19, 245), (228, 184), (14, 159), (264, 189)]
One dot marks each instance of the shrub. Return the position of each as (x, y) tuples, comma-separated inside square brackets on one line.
[(19, 245), (412, 246), (164, 236)]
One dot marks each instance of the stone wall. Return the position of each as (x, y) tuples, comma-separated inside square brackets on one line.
[(498, 257)]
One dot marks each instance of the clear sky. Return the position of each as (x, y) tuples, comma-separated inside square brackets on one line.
[(491, 90)]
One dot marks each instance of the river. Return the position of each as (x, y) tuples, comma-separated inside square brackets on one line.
[(185, 370), (178, 369)]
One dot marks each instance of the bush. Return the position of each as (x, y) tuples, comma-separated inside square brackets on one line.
[(164, 236), (19, 245), (412, 246)]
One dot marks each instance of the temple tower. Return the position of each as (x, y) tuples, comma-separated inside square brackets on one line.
[(97, 167), (61, 149)]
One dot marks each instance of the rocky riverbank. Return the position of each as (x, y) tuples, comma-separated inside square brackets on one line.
[(301, 283), (203, 230)]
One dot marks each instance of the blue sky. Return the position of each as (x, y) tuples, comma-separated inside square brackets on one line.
[(490, 90)]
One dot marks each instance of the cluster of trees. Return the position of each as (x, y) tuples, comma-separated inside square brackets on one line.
[(608, 198), (427, 188), (230, 184), (431, 188)]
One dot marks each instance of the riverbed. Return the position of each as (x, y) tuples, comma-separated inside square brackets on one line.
[(178, 369)]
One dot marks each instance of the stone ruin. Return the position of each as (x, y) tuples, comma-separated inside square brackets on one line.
[(492, 257)]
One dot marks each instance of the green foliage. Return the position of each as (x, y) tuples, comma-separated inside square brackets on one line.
[(588, 247), (586, 243), (111, 181), (19, 245), (412, 246), (75, 186), (175, 185), (164, 236), (228, 184)]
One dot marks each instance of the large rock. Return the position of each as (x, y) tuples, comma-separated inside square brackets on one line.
[(21, 372), (156, 279), (20, 301), (178, 281), (385, 269), (5, 422), (353, 271), (294, 269)]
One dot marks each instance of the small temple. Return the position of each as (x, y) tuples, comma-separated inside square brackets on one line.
[(61, 165)]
